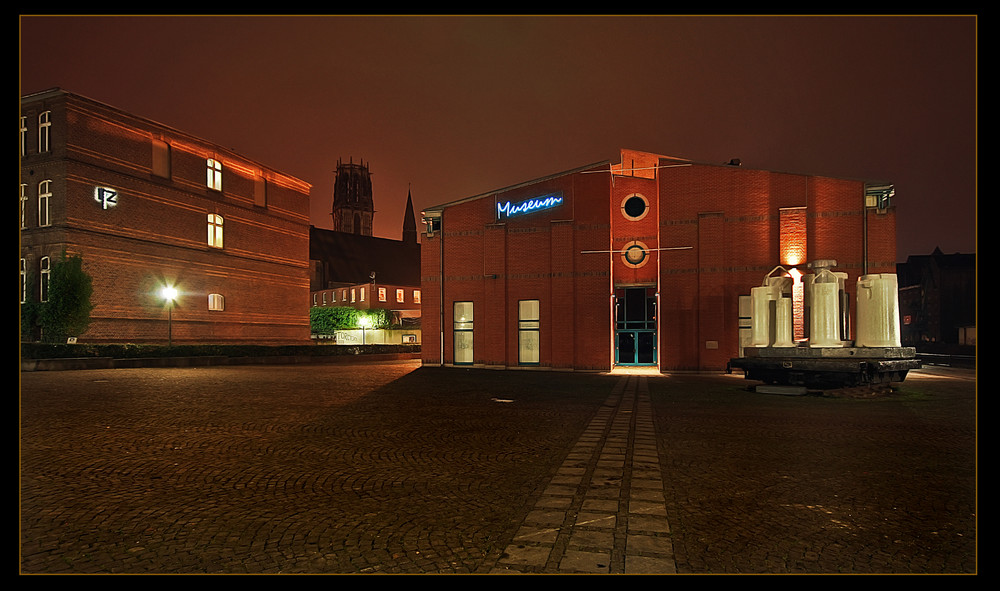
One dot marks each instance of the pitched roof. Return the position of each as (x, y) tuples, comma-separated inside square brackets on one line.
[(352, 258)]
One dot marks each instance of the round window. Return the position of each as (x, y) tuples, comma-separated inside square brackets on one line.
[(635, 207), (635, 254)]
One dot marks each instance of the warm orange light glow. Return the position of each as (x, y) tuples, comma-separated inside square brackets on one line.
[(792, 239), (798, 305)]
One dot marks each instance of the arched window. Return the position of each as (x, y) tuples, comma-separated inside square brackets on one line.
[(215, 230), (44, 197), (43, 286)]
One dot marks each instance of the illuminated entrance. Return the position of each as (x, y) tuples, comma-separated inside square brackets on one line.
[(635, 326)]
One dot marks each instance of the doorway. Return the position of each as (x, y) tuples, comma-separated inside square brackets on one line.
[(635, 326)]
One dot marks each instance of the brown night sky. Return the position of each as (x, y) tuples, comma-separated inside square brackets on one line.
[(451, 107)]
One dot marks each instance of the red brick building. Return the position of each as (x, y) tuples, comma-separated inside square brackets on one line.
[(641, 262), (148, 206)]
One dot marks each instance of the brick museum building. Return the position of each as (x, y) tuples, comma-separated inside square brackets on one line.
[(147, 207), (644, 262)]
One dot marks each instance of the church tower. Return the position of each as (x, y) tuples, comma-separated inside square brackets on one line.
[(353, 207), (409, 221)]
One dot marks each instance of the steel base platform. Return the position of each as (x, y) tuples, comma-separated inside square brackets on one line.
[(826, 367)]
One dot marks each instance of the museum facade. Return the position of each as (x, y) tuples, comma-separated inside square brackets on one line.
[(649, 261)]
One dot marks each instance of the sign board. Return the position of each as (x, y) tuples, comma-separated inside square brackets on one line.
[(106, 196)]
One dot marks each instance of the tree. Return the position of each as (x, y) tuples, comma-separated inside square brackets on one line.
[(67, 311)]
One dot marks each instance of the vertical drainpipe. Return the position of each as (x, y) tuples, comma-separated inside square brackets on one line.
[(864, 231), (441, 290)]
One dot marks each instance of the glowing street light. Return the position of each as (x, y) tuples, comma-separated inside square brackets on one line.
[(364, 321), (169, 294)]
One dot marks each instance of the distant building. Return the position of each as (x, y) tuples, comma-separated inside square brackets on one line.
[(353, 203), (352, 268), (643, 262), (937, 299), (148, 206)]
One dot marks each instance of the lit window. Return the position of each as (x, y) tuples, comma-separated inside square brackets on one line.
[(353, 295), (463, 331), (362, 294), (43, 285), (324, 298), (635, 254), (314, 299), (216, 302), (400, 295), (343, 296), (215, 230), (214, 174), (44, 197), (24, 202), (24, 281), (24, 135), (527, 332), (44, 126), (381, 294), (416, 296)]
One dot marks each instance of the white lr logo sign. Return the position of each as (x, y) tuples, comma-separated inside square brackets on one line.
[(106, 196)]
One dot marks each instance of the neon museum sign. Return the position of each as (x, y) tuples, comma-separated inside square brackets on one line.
[(509, 210)]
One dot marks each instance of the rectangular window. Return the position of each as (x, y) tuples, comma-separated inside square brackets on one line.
[(44, 197), (215, 230), (381, 294), (528, 325), (214, 174), (216, 302), (362, 294), (161, 159), (400, 295), (416, 296), (463, 329), (354, 295)]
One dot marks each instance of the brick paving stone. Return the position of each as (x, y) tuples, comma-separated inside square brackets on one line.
[(394, 468)]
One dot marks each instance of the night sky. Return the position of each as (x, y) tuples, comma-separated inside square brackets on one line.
[(450, 107)]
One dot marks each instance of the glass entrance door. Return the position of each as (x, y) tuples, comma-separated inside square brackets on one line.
[(635, 326)]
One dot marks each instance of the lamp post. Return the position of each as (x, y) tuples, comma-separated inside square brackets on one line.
[(169, 294)]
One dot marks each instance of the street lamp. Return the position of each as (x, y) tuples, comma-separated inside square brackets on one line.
[(364, 321), (169, 294)]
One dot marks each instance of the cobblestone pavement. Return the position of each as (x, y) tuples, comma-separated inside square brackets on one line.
[(393, 468)]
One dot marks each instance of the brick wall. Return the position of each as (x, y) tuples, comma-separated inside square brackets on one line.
[(157, 231)]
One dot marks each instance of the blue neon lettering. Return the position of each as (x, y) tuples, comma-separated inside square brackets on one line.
[(535, 204)]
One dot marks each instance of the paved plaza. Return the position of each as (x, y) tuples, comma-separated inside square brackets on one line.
[(390, 467)]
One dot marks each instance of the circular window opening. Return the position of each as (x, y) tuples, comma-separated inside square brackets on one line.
[(635, 207), (635, 255)]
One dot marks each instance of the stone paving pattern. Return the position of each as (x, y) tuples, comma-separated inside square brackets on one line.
[(394, 468)]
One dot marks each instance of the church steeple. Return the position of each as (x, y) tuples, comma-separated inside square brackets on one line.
[(353, 205), (409, 221)]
